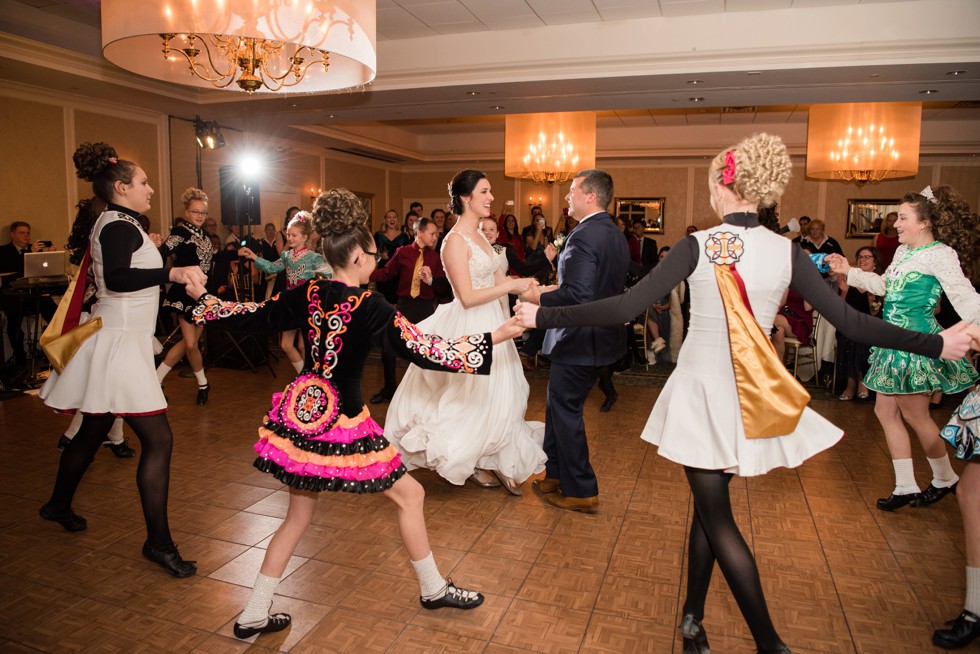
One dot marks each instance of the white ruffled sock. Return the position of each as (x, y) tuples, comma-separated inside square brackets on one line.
[(973, 590), (432, 585), (202, 379), (256, 612), (905, 483), (942, 472), (162, 371)]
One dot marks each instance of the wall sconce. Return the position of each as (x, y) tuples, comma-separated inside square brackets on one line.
[(535, 201), (314, 193)]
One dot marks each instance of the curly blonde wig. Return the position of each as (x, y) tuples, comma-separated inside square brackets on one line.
[(762, 169), (192, 194)]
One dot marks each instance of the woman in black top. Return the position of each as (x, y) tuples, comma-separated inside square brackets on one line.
[(852, 357), (111, 374)]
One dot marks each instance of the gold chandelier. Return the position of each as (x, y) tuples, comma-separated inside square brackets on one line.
[(863, 143), (549, 147), (262, 46)]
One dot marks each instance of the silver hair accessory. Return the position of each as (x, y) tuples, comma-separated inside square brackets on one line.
[(927, 194)]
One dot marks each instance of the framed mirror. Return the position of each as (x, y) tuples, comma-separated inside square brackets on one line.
[(864, 217), (650, 210)]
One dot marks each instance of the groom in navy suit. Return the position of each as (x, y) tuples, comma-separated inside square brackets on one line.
[(592, 265)]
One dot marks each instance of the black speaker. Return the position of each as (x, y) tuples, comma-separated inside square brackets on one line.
[(239, 198)]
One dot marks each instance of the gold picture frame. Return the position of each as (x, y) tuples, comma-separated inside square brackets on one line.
[(650, 210), (864, 217)]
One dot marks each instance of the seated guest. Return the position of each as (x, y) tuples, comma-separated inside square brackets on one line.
[(12, 269), (794, 319)]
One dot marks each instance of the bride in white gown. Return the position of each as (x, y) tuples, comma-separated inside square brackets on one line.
[(467, 427)]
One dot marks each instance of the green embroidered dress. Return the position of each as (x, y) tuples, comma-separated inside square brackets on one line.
[(912, 286)]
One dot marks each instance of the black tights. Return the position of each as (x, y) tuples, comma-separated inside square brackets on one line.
[(715, 536), (152, 475)]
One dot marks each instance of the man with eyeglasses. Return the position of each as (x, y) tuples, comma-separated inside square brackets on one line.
[(420, 276)]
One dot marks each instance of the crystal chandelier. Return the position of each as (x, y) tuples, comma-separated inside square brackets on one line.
[(549, 147), (863, 143), (260, 46)]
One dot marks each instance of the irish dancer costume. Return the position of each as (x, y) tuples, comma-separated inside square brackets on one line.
[(319, 435), (190, 247), (300, 265), (912, 286)]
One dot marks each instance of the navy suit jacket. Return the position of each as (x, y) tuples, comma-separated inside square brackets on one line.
[(592, 265)]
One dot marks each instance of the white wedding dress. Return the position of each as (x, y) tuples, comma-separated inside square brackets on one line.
[(454, 424)]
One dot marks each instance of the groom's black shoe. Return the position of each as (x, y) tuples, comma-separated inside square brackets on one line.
[(384, 395)]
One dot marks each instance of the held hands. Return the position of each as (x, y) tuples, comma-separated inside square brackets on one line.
[(507, 330), (521, 285), (958, 339), (526, 313), (155, 239), (838, 264), (190, 276), (248, 254)]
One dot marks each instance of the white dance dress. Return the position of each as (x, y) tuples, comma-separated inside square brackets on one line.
[(113, 371), (454, 424), (697, 420)]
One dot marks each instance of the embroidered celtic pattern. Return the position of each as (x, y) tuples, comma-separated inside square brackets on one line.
[(467, 352), (724, 248)]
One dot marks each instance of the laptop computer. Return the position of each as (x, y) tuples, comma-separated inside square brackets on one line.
[(44, 264)]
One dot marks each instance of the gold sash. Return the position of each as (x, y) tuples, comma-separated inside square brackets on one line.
[(63, 335), (770, 398)]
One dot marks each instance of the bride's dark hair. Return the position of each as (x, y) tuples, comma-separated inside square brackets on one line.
[(462, 184)]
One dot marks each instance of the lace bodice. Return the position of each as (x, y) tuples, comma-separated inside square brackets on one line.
[(482, 265)]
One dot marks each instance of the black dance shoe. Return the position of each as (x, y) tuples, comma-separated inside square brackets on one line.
[(695, 640), (384, 395), (276, 622), (931, 495), (455, 598), (964, 629), (202, 394), (63, 442), (608, 404), (169, 558), (67, 519), (894, 501), (121, 450)]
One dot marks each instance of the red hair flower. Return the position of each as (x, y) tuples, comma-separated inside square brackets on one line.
[(728, 174), (113, 160)]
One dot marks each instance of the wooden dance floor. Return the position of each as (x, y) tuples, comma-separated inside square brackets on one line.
[(840, 576)]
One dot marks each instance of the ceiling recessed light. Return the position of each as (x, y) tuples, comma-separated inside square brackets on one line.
[(497, 106), (874, 76), (294, 105), (929, 92), (698, 99), (331, 116), (956, 73), (472, 93), (754, 72), (695, 82)]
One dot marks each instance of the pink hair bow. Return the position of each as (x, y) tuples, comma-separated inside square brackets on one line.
[(728, 174)]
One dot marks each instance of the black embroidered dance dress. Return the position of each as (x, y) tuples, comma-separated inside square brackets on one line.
[(319, 435), (189, 246)]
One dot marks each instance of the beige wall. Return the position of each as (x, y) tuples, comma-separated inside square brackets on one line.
[(34, 170)]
